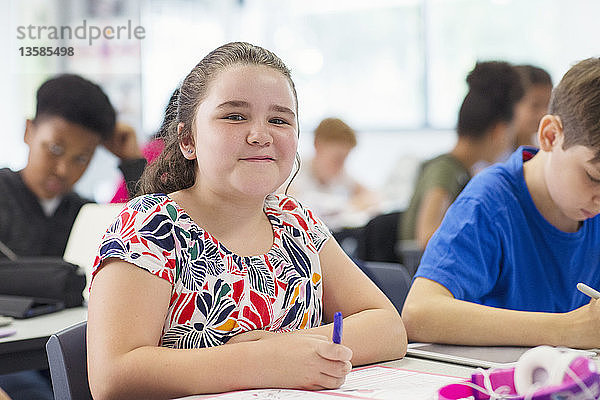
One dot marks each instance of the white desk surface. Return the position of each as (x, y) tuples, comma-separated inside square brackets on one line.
[(45, 325), (26, 349)]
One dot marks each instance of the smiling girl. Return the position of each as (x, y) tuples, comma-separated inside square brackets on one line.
[(209, 282)]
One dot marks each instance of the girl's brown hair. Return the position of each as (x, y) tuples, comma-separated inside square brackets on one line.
[(171, 171)]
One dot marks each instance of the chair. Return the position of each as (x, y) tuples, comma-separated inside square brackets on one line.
[(67, 356), (411, 257), (352, 241), (392, 278), (380, 236)]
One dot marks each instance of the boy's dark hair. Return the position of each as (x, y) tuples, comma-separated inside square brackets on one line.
[(78, 101), (494, 89), (576, 100)]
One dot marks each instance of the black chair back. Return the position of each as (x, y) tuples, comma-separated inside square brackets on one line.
[(391, 278), (67, 357), (380, 237)]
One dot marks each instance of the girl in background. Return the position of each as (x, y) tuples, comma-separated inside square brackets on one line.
[(484, 133), (537, 85)]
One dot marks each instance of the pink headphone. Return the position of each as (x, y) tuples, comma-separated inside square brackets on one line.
[(542, 373)]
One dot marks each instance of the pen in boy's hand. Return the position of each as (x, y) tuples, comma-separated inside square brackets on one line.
[(585, 289), (338, 326)]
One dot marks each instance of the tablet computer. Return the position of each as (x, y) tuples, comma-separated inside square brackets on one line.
[(475, 356), (25, 307)]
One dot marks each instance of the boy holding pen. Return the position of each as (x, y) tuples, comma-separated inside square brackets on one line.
[(502, 269)]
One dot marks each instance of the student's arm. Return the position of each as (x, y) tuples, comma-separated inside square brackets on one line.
[(432, 314), (373, 329), (431, 212), (126, 315), (3, 395), (124, 145)]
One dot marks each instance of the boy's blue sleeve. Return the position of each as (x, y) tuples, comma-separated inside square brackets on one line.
[(464, 254)]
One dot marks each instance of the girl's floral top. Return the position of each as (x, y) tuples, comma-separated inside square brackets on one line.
[(217, 294)]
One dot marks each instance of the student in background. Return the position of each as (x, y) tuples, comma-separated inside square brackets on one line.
[(37, 205), (483, 129), (323, 183), (151, 150), (502, 268), (210, 282), (537, 84)]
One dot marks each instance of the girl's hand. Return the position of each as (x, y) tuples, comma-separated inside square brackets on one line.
[(310, 362)]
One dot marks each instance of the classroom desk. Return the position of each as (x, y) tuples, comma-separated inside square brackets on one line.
[(431, 366), (408, 363), (27, 348)]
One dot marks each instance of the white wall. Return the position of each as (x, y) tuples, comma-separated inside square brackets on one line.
[(387, 162)]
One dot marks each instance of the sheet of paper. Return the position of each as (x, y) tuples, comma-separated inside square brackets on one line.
[(4, 332), (5, 321), (375, 382)]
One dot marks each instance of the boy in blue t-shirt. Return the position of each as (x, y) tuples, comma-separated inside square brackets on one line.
[(502, 268)]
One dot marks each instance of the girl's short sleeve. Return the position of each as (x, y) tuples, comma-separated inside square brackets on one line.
[(143, 235)]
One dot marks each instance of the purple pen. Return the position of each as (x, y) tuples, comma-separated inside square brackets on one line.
[(338, 327)]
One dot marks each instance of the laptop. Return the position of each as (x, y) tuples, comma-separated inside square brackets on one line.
[(475, 356), (26, 307)]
